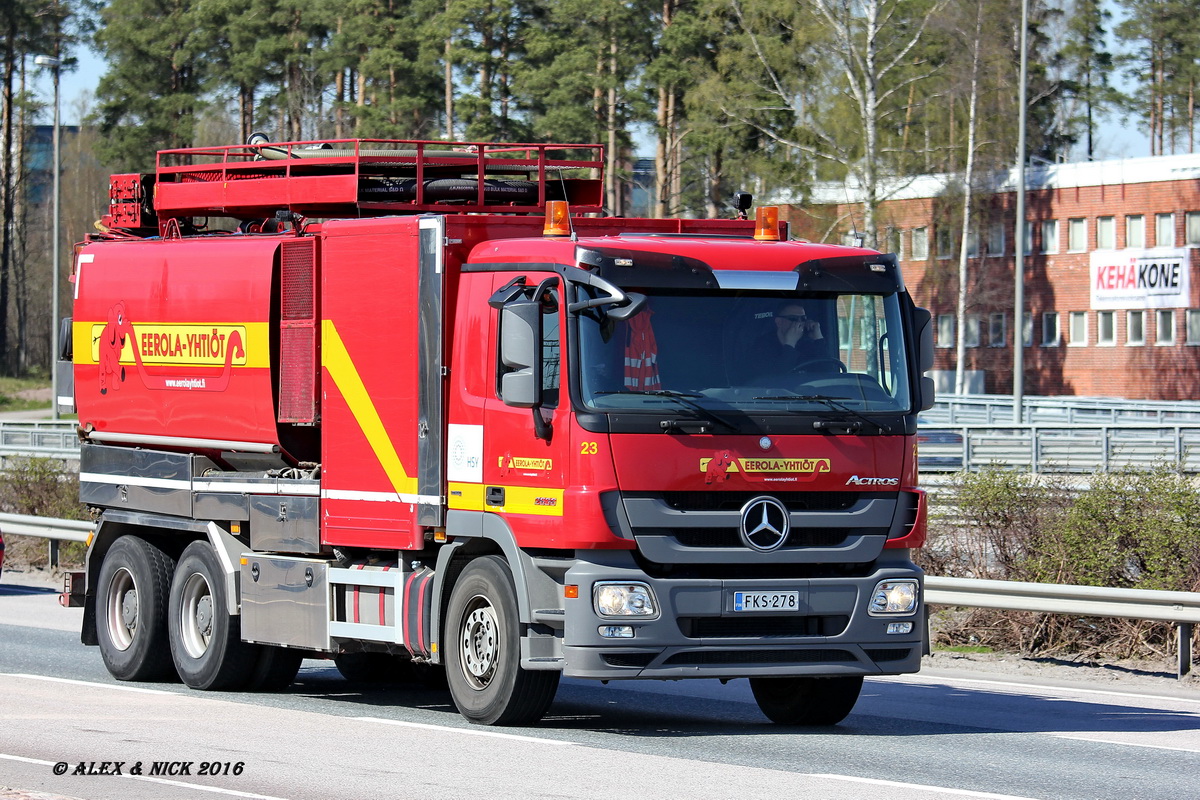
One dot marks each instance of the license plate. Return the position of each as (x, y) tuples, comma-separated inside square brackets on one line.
[(766, 601)]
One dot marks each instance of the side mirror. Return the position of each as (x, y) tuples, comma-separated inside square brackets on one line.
[(521, 354), (923, 326)]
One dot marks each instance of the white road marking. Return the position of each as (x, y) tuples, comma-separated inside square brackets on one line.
[(181, 784), (1079, 738), (1058, 690), (471, 731), (918, 787), (118, 686)]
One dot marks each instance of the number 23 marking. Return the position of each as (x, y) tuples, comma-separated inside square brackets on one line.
[(588, 449)]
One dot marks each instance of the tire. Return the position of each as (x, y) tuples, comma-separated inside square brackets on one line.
[(275, 668), (373, 668), (483, 653), (205, 640), (131, 611), (807, 701)]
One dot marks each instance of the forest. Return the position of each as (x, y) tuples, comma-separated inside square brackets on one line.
[(762, 95)]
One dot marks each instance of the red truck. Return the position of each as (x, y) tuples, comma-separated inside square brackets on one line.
[(422, 406)]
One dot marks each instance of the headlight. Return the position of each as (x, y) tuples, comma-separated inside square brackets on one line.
[(894, 597), (624, 600)]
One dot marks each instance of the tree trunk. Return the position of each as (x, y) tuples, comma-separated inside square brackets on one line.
[(6, 194), (960, 348)]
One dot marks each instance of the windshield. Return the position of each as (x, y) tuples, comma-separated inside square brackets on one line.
[(752, 352)]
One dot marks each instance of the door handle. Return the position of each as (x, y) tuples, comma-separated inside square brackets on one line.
[(495, 495)]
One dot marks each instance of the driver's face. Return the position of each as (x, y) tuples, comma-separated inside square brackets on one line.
[(791, 316)]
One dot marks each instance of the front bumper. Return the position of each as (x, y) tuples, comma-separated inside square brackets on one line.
[(697, 634)]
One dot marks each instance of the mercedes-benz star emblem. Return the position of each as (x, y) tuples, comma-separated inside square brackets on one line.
[(764, 443), (765, 524)]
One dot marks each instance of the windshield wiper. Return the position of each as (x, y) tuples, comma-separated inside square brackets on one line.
[(685, 399), (834, 403)]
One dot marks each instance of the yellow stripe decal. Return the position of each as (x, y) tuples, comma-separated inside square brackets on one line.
[(337, 361), (536, 500)]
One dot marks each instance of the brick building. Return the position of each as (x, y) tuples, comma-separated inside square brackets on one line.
[(1112, 298)]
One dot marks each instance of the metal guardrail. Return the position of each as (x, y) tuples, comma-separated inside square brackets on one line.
[(54, 530), (45, 439), (1059, 447), (1182, 609), (954, 409)]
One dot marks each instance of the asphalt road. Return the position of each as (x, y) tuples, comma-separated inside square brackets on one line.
[(934, 735)]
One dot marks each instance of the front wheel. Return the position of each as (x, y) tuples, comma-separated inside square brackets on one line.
[(205, 639), (131, 613), (807, 701), (483, 657)]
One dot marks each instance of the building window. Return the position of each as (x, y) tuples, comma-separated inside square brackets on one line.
[(1106, 233), (1135, 328), (1192, 225), (997, 335), (945, 241), (892, 242), (1135, 231), (1164, 230), (1027, 245), (945, 330), (1193, 326), (1050, 236), (1076, 235), (1106, 328), (995, 239), (1078, 331), (1027, 329), (920, 244), (972, 244), (971, 331), (1164, 329), (1050, 334)]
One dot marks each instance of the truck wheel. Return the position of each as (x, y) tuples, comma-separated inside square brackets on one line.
[(205, 639), (806, 701), (483, 653), (275, 668), (376, 668), (131, 613)]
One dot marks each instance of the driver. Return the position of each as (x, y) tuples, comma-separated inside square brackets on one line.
[(792, 340)]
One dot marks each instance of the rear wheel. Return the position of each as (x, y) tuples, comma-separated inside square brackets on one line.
[(131, 613), (275, 668), (483, 656), (205, 639), (807, 701)]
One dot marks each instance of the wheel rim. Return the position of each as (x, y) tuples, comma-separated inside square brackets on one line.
[(122, 609), (480, 643), (196, 615)]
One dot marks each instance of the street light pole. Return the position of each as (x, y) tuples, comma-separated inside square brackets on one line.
[(55, 64)]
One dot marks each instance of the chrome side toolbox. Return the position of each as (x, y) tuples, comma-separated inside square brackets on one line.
[(285, 601)]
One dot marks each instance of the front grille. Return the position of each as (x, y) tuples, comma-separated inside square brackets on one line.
[(710, 658), (733, 501), (729, 537), (881, 655), (738, 627), (627, 659)]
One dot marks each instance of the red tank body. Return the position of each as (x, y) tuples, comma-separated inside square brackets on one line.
[(173, 338)]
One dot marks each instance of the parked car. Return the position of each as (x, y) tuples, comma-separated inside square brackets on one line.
[(938, 449)]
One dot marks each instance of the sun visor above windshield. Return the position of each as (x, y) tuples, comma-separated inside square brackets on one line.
[(646, 269), (874, 274), (756, 280)]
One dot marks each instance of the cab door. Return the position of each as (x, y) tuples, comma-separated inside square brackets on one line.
[(526, 439)]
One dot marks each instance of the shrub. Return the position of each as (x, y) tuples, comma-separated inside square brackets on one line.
[(38, 487)]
